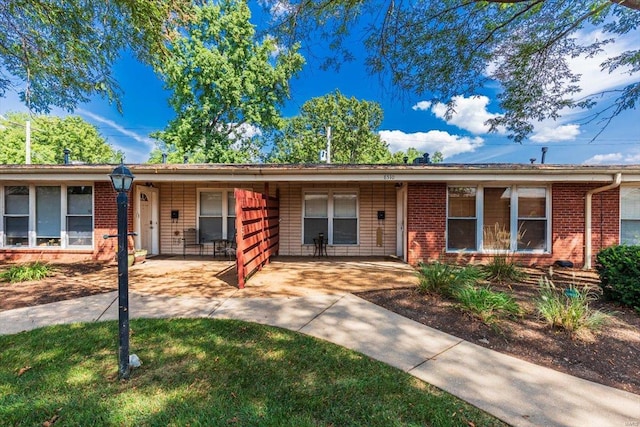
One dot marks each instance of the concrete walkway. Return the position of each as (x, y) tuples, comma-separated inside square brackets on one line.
[(520, 393)]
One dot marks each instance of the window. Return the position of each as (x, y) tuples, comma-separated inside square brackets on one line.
[(630, 216), (16, 215), (334, 214), (79, 216), (48, 216), (490, 219), (217, 215), (462, 218), (37, 216)]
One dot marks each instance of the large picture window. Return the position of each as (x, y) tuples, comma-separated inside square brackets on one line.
[(490, 219), (333, 214), (39, 216), (217, 215), (630, 216)]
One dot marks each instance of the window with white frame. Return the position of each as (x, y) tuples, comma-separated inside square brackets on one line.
[(33, 216), (216, 215), (506, 218), (630, 216), (333, 214)]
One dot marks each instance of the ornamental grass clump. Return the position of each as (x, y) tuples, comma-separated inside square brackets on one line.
[(26, 272), (486, 304), (568, 309), (445, 279)]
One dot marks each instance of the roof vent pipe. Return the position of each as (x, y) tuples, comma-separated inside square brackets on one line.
[(66, 152), (185, 159), (587, 217), (544, 153), (164, 157)]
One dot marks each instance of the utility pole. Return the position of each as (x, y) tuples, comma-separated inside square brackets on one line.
[(328, 144), (27, 129)]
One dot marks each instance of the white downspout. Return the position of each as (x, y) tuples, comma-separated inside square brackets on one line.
[(587, 217)]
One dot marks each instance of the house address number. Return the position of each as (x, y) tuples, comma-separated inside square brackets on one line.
[(389, 177)]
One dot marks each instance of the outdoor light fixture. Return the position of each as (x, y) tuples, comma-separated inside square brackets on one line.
[(122, 178)]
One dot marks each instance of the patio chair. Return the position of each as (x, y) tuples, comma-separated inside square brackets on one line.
[(190, 239), (230, 248)]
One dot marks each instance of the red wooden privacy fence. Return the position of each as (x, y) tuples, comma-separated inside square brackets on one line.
[(257, 231)]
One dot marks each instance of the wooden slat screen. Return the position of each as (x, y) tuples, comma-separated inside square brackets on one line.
[(257, 231)]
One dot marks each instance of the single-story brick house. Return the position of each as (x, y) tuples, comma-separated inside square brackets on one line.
[(417, 212)]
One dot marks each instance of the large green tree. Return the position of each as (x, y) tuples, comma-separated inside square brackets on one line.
[(59, 53), (443, 48), (49, 137), (226, 86), (354, 138)]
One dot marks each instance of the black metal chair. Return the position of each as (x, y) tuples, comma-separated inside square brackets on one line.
[(190, 238)]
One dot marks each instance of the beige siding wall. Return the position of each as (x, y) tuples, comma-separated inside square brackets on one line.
[(372, 197)]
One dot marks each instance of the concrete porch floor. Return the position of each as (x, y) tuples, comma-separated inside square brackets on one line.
[(283, 277)]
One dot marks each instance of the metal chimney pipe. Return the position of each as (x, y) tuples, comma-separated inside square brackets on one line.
[(186, 159), (164, 157), (66, 152), (544, 153)]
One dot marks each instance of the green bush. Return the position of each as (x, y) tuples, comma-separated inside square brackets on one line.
[(486, 304), (619, 270), (502, 269), (568, 309), (26, 272), (445, 279)]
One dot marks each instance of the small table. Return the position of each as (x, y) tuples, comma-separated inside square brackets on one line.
[(320, 246), (222, 243)]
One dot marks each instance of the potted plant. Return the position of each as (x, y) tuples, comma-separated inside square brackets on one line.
[(140, 256)]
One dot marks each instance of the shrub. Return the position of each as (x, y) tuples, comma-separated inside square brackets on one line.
[(569, 309), (502, 268), (619, 270), (26, 272), (445, 279), (486, 304)]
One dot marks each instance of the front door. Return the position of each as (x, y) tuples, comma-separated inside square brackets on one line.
[(147, 220)]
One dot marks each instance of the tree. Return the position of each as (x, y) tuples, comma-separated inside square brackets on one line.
[(411, 154), (175, 155), (225, 86), (451, 47), (354, 137), (49, 137), (59, 53)]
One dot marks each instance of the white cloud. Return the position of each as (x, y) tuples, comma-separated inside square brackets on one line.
[(432, 141), (469, 114), (599, 159), (593, 80), (278, 8), (422, 106), (614, 158), (555, 133), (110, 123)]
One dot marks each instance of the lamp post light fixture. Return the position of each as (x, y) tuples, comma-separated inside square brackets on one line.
[(122, 178)]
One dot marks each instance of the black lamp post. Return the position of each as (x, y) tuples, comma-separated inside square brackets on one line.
[(121, 178)]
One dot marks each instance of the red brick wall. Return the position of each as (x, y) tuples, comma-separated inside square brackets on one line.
[(426, 224), (426, 221)]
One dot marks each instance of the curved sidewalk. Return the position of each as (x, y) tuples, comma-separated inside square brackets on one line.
[(518, 392)]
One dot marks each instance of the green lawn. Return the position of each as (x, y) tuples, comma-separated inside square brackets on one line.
[(203, 372)]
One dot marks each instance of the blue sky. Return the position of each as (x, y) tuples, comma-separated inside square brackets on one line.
[(409, 120)]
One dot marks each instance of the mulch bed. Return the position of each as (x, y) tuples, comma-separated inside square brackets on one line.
[(611, 356)]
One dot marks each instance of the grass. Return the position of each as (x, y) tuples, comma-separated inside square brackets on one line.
[(210, 372), (489, 306), (570, 312), (26, 272), (502, 269), (445, 279)]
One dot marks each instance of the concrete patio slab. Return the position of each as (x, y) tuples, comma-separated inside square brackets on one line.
[(86, 309), (381, 334), (524, 394), (290, 313)]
